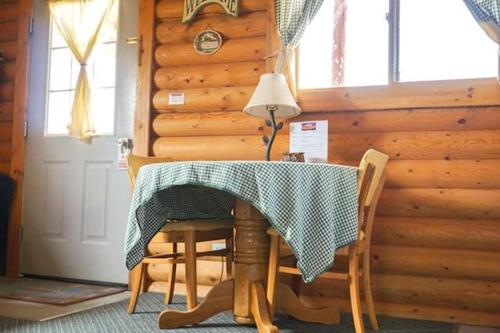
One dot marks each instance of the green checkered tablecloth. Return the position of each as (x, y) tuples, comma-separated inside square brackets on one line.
[(313, 206)]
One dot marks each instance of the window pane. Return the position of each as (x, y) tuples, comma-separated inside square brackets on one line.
[(104, 110), (366, 43), (440, 40), (56, 37), (60, 75), (103, 69), (365, 60), (315, 52), (59, 112)]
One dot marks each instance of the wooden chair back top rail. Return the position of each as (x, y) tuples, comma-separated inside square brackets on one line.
[(136, 162), (378, 161)]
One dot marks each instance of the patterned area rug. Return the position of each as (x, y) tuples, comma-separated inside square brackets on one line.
[(52, 292), (113, 318)]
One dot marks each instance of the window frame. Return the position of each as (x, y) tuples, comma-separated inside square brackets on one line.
[(459, 92), (47, 92)]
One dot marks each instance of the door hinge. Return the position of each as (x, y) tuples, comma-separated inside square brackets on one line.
[(21, 234), (30, 27), (26, 129)]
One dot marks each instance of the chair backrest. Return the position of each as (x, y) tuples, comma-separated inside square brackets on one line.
[(375, 161), (136, 162), (371, 178)]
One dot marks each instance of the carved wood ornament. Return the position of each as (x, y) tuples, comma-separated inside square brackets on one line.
[(192, 7)]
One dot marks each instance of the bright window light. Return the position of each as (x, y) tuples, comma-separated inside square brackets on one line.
[(63, 74), (440, 40)]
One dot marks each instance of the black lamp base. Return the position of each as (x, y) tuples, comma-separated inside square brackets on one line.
[(275, 128)]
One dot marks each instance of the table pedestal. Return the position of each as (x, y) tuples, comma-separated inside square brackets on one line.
[(245, 294)]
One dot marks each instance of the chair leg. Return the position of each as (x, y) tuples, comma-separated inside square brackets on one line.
[(171, 278), (190, 253), (357, 314), (229, 258), (296, 284), (139, 272), (368, 292), (272, 273)]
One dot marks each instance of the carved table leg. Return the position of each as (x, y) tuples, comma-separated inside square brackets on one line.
[(250, 269), (219, 299), (289, 303)]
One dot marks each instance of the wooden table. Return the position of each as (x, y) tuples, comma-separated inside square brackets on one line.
[(245, 293)]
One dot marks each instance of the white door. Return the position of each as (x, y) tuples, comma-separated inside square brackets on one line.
[(76, 199)]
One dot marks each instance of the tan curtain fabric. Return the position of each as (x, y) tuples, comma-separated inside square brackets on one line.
[(79, 22)]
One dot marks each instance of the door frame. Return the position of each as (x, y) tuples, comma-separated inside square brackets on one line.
[(14, 229)]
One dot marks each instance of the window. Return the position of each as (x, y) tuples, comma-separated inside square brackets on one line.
[(63, 74), (360, 43)]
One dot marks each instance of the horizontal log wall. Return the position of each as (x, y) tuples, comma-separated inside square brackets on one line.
[(9, 12), (437, 234)]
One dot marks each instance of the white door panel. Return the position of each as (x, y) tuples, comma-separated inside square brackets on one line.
[(76, 200)]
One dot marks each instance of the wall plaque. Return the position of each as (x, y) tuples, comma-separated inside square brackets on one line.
[(192, 7), (207, 42)]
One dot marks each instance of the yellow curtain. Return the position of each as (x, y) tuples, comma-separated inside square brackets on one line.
[(79, 22)]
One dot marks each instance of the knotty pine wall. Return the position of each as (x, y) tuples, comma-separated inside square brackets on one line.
[(8, 47), (14, 35), (436, 246)]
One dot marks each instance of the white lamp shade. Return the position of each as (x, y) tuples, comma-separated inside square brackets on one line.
[(272, 90)]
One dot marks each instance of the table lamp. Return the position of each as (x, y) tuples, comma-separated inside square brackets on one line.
[(272, 99)]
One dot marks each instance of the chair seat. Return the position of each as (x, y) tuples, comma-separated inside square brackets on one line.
[(197, 225)]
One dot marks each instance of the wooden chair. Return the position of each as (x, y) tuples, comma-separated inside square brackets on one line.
[(371, 176), (187, 232)]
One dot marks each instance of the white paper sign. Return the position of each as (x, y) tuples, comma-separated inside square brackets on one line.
[(310, 138), (176, 99)]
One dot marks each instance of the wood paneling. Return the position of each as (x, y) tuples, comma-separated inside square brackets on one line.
[(436, 262), (8, 11), (5, 131), (418, 311), (478, 295), (213, 148), (14, 44), (440, 203), (7, 91), (9, 50), (207, 124), (437, 234), (8, 31), (480, 174), (247, 25), (4, 168), (206, 99), (142, 117), (422, 94), (6, 111), (7, 71), (5, 152), (173, 8), (233, 50), (217, 75)]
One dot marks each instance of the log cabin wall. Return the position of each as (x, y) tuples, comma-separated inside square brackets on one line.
[(14, 35), (436, 246), (8, 37)]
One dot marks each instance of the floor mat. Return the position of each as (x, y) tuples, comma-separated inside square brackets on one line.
[(52, 292)]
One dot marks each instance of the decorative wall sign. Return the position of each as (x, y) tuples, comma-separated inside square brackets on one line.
[(207, 42), (192, 7)]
